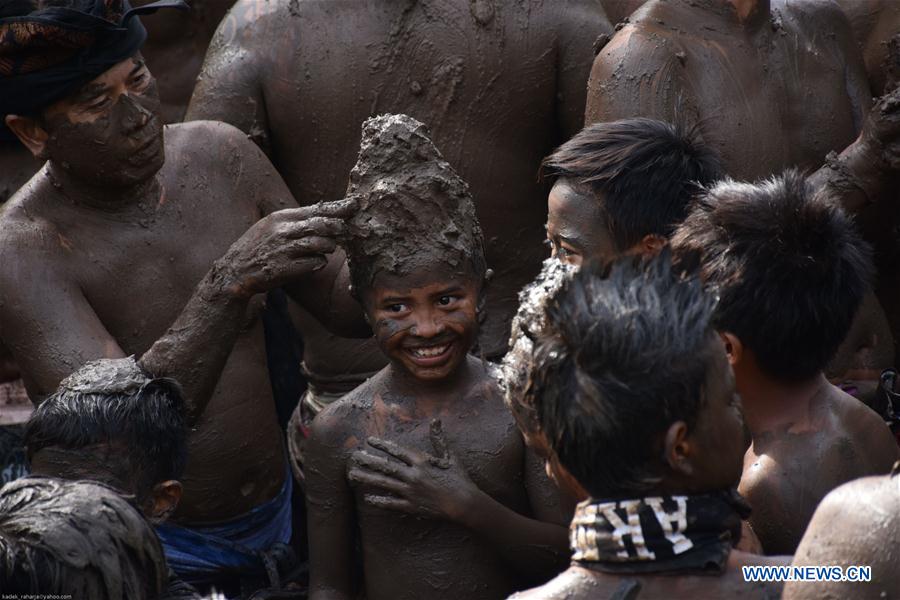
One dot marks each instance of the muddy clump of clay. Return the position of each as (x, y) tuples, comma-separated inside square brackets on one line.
[(414, 212)]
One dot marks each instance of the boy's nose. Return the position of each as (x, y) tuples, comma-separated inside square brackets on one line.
[(428, 326)]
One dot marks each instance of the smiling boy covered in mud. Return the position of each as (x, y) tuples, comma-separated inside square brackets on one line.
[(423, 462)]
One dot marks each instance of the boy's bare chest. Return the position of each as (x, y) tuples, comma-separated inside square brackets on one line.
[(484, 440)]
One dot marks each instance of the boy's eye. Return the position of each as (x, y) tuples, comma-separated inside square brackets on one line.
[(446, 300)]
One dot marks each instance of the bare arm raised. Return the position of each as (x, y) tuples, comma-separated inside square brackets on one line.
[(51, 339)]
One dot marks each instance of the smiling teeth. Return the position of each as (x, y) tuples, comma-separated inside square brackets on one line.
[(430, 352)]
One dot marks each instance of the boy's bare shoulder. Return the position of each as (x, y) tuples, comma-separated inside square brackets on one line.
[(343, 417), (865, 428)]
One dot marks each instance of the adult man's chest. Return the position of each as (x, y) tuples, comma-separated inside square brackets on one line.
[(139, 276)]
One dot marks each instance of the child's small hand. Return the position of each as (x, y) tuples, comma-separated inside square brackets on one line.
[(421, 484)]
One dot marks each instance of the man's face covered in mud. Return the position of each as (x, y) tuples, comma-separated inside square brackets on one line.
[(109, 132), (427, 322)]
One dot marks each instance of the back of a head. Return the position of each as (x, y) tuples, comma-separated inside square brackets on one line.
[(113, 404), (622, 356), (646, 170), (787, 264), (78, 539)]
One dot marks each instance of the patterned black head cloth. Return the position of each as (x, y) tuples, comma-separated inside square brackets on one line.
[(50, 53)]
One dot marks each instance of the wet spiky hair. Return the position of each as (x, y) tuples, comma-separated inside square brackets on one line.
[(788, 265), (625, 351)]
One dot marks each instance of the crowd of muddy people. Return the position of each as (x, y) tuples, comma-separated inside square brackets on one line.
[(449, 299)]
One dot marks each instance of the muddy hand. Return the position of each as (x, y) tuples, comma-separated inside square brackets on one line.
[(281, 247), (414, 482)]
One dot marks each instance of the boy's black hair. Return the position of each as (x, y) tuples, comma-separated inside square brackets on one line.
[(788, 266), (625, 353), (646, 171), (146, 425), (76, 539)]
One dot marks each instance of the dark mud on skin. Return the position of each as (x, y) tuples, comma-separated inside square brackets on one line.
[(734, 77), (414, 212)]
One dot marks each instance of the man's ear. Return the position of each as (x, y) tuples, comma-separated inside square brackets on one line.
[(677, 449), (164, 500), (29, 133), (652, 243), (733, 348)]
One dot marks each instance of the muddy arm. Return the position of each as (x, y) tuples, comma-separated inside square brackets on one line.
[(536, 550), (582, 27), (229, 86), (866, 170), (330, 512)]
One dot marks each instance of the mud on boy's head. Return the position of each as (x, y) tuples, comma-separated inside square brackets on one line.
[(631, 386), (416, 252)]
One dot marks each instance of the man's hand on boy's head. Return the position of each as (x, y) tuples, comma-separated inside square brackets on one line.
[(282, 246), (418, 483)]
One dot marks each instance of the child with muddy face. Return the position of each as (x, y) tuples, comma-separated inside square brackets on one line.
[(653, 441), (621, 187), (423, 460)]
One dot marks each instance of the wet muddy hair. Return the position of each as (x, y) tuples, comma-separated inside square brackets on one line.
[(646, 171), (415, 212), (143, 420), (625, 353), (78, 539), (788, 266)]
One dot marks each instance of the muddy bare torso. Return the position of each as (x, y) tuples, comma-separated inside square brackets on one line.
[(768, 94), (485, 77), (136, 272), (788, 472), (619, 10), (413, 557)]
